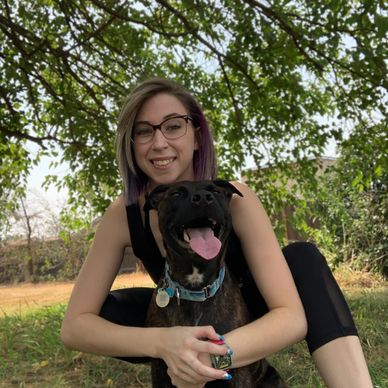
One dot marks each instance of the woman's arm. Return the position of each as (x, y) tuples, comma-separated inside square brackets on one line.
[(83, 329), (285, 323)]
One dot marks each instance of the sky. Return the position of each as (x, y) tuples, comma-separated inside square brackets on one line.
[(37, 175)]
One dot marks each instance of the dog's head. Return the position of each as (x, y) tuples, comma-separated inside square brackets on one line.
[(194, 217)]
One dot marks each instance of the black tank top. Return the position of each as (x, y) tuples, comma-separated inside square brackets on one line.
[(146, 249)]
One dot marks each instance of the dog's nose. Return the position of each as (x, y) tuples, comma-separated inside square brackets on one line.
[(202, 198)]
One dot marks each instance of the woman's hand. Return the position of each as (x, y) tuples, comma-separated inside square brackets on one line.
[(186, 352), (177, 382)]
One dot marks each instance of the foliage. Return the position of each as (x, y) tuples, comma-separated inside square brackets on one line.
[(53, 259), (13, 174), (356, 224), (350, 204), (277, 81)]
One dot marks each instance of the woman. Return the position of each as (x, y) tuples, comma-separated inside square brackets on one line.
[(163, 137)]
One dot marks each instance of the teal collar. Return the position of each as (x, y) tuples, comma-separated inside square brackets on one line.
[(174, 288)]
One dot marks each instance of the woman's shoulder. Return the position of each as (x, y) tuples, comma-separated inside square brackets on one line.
[(245, 190), (246, 208), (114, 220), (118, 204)]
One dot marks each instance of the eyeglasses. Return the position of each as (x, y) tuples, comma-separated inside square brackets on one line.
[(171, 128)]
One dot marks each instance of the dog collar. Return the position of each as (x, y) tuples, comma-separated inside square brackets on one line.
[(174, 288)]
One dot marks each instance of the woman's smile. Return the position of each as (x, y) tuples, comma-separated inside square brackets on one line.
[(162, 163)]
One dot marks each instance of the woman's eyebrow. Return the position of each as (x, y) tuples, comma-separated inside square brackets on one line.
[(164, 118), (173, 114)]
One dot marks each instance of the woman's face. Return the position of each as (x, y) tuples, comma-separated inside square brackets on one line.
[(163, 160)]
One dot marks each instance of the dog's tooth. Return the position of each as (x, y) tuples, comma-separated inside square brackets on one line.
[(186, 236)]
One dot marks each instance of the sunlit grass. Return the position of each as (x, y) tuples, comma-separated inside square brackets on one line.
[(370, 311), (32, 355)]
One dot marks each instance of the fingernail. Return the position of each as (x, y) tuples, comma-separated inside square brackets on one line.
[(227, 376)]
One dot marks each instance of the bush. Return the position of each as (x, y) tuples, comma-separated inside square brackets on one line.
[(352, 223), (53, 258)]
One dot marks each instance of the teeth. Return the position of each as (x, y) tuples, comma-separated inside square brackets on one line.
[(186, 236), (162, 162), (214, 223)]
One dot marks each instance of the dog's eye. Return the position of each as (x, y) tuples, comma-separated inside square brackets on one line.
[(175, 194)]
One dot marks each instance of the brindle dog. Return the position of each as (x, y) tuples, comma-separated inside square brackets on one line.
[(195, 223)]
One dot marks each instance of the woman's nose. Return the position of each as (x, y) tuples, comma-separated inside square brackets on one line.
[(159, 141)]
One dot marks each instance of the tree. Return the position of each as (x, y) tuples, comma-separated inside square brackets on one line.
[(352, 209), (277, 80)]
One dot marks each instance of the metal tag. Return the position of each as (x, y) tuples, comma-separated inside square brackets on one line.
[(162, 298)]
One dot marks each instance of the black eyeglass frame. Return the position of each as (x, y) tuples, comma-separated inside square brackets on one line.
[(187, 118)]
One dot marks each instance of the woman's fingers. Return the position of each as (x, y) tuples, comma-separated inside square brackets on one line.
[(183, 383), (205, 332), (207, 372), (203, 346), (187, 354)]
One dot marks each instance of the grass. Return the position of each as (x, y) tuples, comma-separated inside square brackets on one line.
[(31, 354), (370, 311)]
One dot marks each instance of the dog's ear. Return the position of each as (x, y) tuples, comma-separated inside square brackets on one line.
[(227, 185), (156, 195)]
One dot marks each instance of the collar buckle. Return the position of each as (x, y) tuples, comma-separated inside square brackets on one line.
[(206, 290)]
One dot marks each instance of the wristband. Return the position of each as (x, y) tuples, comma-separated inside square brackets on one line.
[(221, 362)]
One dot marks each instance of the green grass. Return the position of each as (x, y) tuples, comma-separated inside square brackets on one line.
[(31, 354), (370, 311)]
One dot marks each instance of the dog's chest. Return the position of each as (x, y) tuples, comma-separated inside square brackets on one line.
[(196, 277), (181, 313), (224, 311)]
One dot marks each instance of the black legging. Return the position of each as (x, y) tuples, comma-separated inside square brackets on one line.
[(328, 315)]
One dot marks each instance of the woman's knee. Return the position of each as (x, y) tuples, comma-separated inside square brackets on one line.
[(127, 307), (304, 257)]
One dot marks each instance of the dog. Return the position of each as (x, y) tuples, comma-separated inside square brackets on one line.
[(197, 288)]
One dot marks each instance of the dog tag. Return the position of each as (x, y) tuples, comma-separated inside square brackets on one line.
[(162, 298)]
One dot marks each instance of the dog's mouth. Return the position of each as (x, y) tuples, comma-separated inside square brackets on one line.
[(203, 236)]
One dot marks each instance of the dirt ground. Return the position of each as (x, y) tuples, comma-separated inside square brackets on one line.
[(22, 297)]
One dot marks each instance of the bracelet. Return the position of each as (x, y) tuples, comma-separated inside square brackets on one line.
[(221, 362)]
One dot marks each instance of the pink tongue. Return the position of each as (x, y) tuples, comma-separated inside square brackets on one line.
[(204, 243)]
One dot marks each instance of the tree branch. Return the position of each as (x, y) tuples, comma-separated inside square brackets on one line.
[(39, 140), (271, 14), (117, 14), (194, 32), (237, 111)]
